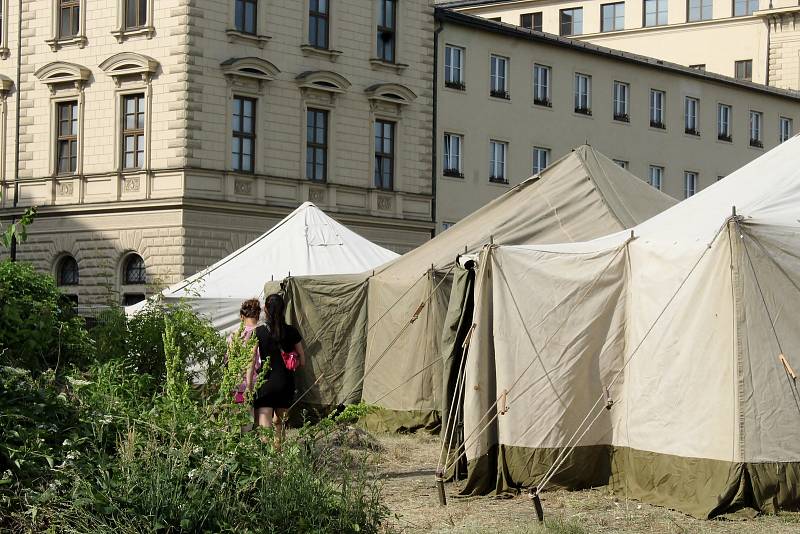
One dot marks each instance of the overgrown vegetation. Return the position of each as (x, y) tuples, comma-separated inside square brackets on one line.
[(107, 435)]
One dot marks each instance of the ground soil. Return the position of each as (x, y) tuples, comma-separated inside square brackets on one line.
[(408, 463)]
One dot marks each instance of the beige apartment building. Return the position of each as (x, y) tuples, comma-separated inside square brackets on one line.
[(158, 136), (511, 101), (758, 40)]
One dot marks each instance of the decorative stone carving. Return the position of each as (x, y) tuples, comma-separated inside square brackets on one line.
[(384, 203), (243, 187), (316, 195), (65, 189), (131, 184)]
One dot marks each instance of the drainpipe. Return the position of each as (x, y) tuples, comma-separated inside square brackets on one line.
[(16, 128), (768, 20), (434, 175)]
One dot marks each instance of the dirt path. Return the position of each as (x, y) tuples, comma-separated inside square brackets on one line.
[(408, 465)]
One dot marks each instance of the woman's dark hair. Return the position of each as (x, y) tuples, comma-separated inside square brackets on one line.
[(275, 310), (251, 309)]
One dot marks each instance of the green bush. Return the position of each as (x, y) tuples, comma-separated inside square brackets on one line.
[(38, 328)]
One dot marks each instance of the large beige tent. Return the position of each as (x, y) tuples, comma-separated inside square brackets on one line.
[(402, 306), (661, 362)]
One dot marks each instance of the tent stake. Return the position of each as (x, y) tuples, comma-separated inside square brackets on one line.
[(537, 503), (440, 488)]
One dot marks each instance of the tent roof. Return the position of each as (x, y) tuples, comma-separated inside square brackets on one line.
[(582, 196), (305, 242)]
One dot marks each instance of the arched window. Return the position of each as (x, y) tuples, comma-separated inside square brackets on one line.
[(67, 272), (134, 273)]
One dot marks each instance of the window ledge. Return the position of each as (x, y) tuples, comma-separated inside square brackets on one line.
[(4, 52), (125, 33), (237, 36), (378, 63), (55, 44), (310, 50)]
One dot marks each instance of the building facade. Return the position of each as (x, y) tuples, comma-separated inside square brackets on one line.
[(533, 97), (158, 136), (757, 40)]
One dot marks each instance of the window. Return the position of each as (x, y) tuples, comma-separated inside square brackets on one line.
[(498, 150), (246, 16), (67, 272), (700, 66), (541, 159), (67, 138), (452, 155), (532, 21), (621, 162), (129, 299), (499, 77), (496, 19), (318, 23), (689, 183), (69, 18), (583, 94), (244, 133), (744, 69), (724, 123), (447, 225), (655, 12), (317, 145), (133, 131), (656, 175), (657, 103), (384, 154), (621, 98), (756, 120), (541, 85), (698, 10), (454, 67), (612, 17), (785, 126), (571, 21), (134, 271), (744, 7), (690, 114), (387, 25), (136, 14)]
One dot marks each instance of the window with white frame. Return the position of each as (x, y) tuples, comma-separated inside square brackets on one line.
[(452, 155), (69, 18), (133, 131), (498, 150), (756, 121), (541, 159), (742, 8), (657, 102), (656, 175), (454, 67), (67, 137), (612, 17), (498, 76), (689, 183), (691, 106), (785, 129), (724, 123), (541, 85), (583, 94), (655, 12), (244, 134), (621, 101), (699, 10)]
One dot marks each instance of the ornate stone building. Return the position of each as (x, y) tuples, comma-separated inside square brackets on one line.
[(157, 136)]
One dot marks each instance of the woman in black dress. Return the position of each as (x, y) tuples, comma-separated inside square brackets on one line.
[(275, 396)]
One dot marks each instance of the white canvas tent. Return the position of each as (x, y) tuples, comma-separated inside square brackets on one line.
[(661, 362), (305, 242)]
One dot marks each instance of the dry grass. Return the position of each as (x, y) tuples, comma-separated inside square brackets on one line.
[(408, 464)]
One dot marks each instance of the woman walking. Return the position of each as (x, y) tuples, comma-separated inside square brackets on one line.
[(281, 345)]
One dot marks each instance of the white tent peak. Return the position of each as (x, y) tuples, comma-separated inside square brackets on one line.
[(305, 242)]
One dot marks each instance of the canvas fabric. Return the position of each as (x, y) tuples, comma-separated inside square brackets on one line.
[(678, 327)]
